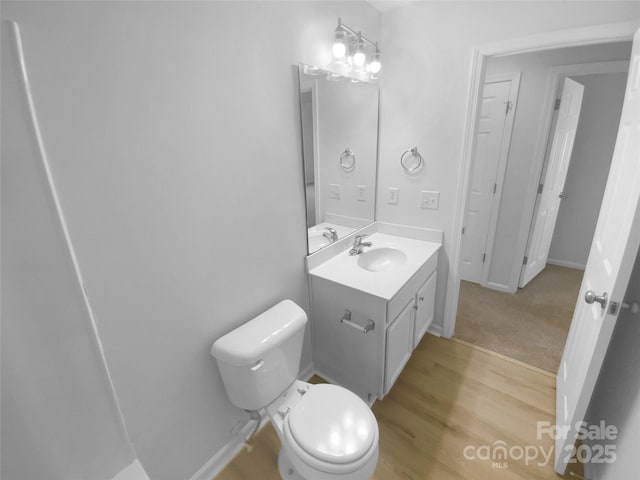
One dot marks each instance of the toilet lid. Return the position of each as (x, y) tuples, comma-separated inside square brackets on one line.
[(332, 424)]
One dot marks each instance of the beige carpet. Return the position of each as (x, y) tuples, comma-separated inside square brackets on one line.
[(530, 326)]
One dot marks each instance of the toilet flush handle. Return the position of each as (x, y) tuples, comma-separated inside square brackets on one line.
[(257, 365)]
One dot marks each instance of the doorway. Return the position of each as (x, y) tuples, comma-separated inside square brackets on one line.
[(512, 308)]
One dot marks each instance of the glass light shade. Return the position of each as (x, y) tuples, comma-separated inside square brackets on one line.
[(339, 46), (374, 66), (359, 58)]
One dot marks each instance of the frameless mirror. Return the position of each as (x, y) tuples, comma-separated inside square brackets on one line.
[(339, 143)]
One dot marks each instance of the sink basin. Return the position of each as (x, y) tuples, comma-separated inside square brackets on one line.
[(317, 241), (381, 259)]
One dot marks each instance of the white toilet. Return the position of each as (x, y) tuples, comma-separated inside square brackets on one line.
[(326, 431)]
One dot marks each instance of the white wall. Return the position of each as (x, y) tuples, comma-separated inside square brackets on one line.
[(173, 132), (616, 399), (427, 64), (535, 68), (589, 167), (60, 416)]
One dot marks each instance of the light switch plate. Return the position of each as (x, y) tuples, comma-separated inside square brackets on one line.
[(392, 195), (429, 199), (361, 193), (334, 191)]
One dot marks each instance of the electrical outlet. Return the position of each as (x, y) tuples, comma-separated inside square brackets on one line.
[(334, 191), (361, 193), (392, 195), (429, 199)]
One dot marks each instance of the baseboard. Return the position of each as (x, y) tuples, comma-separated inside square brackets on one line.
[(227, 453), (563, 263), (500, 288), (134, 471), (435, 330), (220, 460), (307, 372)]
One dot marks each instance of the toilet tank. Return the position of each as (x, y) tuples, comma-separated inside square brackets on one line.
[(261, 358)]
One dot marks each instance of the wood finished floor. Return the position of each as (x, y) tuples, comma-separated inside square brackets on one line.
[(450, 395)]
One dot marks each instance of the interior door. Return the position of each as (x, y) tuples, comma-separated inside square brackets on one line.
[(483, 183), (613, 252), (544, 222)]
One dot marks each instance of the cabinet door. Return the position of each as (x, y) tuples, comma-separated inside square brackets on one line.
[(425, 301), (398, 345)]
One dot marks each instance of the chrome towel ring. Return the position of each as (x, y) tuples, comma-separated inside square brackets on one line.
[(411, 160), (347, 160)]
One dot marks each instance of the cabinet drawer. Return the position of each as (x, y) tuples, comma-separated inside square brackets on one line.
[(396, 304)]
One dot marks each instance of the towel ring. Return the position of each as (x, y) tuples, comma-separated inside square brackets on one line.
[(347, 160), (405, 160)]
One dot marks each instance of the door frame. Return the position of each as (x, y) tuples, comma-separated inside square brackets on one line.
[(556, 75), (591, 35), (514, 78)]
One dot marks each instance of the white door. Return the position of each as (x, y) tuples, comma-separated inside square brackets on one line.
[(613, 252), (544, 222), (492, 144)]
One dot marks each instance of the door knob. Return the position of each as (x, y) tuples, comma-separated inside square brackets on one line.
[(590, 297), (562, 195)]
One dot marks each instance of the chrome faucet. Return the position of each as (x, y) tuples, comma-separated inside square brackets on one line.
[(358, 245), (330, 234)]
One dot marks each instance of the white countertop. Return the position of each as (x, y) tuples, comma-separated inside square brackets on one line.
[(316, 240), (344, 269)]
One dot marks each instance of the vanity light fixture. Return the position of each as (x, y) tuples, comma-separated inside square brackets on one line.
[(360, 55)]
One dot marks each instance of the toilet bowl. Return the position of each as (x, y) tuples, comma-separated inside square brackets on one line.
[(327, 432)]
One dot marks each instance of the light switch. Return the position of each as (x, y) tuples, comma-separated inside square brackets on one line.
[(429, 199), (361, 193), (334, 191), (392, 195)]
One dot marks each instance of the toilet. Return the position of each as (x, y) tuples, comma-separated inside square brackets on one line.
[(327, 432)]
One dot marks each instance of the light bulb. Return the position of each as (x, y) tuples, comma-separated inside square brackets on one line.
[(339, 47), (374, 66), (359, 57)]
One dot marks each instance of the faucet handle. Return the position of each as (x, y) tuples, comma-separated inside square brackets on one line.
[(331, 234), (358, 239)]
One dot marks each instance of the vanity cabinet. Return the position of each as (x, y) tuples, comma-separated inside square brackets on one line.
[(424, 308), (369, 363), (399, 345), (407, 329)]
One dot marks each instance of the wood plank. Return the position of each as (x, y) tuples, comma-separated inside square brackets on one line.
[(449, 396)]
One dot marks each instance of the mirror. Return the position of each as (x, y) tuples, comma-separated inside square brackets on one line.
[(339, 119)]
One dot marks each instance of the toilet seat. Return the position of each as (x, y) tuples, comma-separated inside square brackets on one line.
[(331, 430)]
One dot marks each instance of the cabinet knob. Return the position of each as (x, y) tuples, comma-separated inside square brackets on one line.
[(421, 299)]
